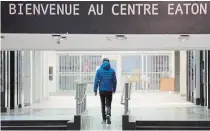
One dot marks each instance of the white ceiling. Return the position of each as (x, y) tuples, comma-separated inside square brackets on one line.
[(100, 43)]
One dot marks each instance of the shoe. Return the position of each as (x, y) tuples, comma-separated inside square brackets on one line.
[(108, 119), (104, 121)]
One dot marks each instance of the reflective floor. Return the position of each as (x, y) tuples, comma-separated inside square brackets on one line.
[(171, 113), (143, 106), (56, 107), (39, 114), (165, 106)]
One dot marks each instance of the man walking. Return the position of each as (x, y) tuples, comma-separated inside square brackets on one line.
[(106, 80)]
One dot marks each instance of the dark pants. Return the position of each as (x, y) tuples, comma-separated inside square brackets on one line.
[(106, 101)]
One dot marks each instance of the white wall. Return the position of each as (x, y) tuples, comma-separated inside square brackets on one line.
[(39, 89), (183, 73), (36, 76), (119, 74), (27, 78), (45, 75), (34, 89), (36, 84), (50, 60)]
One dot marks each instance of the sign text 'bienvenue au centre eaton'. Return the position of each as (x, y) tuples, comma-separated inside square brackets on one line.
[(123, 9)]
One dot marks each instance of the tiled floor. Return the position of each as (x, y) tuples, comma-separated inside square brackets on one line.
[(143, 106), (165, 106), (56, 107), (171, 113), (39, 114)]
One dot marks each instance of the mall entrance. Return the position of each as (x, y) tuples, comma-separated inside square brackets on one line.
[(50, 52)]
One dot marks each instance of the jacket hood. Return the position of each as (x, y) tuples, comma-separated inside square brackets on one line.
[(106, 65)]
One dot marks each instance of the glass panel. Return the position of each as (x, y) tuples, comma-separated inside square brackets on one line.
[(69, 70), (146, 70)]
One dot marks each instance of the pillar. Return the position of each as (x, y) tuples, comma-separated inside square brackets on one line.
[(46, 74), (202, 77), (190, 75), (37, 77), (52, 62), (177, 71), (205, 77), (197, 78), (183, 73), (172, 64), (20, 80), (193, 61), (26, 77), (12, 74), (42, 90), (4, 83), (119, 73), (31, 78)]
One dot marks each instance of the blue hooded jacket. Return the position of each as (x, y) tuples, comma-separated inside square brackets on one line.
[(105, 78)]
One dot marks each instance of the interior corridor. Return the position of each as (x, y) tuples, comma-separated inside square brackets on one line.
[(159, 87)]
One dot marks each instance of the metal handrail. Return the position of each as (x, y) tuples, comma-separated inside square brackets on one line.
[(123, 94), (126, 94), (81, 94), (83, 98)]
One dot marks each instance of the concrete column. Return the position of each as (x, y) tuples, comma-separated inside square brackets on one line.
[(45, 75), (172, 64), (39, 76), (119, 73), (51, 60), (31, 78), (183, 73), (42, 76), (177, 71), (3, 84), (197, 78), (37, 92)]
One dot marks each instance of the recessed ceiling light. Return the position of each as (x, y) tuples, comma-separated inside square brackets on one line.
[(63, 38), (184, 37), (109, 38), (120, 37), (56, 36), (2, 37), (59, 38)]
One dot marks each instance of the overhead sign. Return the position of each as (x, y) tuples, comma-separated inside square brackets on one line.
[(106, 17)]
